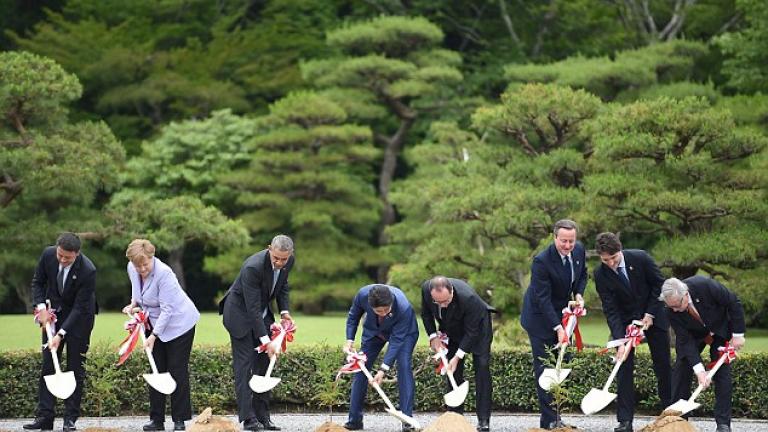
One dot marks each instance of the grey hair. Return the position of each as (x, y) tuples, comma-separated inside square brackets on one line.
[(282, 243), (565, 224), (673, 288)]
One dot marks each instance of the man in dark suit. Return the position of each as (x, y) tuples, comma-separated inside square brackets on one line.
[(389, 317), (466, 319), (703, 312), (557, 273), (248, 315), (68, 279), (629, 283)]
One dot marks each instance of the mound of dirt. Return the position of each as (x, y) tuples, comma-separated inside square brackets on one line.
[(450, 422), (330, 427), (669, 421), (207, 422)]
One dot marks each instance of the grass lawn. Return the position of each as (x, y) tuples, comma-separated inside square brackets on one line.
[(19, 332)]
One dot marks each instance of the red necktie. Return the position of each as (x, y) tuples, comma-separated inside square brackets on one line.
[(695, 314)]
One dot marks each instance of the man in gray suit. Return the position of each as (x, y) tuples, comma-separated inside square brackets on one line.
[(247, 317)]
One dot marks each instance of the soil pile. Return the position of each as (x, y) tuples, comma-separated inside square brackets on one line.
[(330, 427), (450, 422), (207, 422), (669, 421)]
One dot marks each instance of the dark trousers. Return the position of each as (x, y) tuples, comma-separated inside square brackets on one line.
[(658, 343), (405, 381), (173, 357), (541, 348), (683, 373), (76, 346), (246, 362), (481, 362)]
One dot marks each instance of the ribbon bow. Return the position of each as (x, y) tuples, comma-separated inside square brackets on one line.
[(440, 369), (726, 351), (286, 327), (633, 333), (576, 312), (133, 326), (51, 318), (353, 363)]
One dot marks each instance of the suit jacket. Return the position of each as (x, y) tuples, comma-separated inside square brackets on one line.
[(621, 305), (171, 312), (398, 326), (245, 301), (551, 289), (76, 307), (718, 307), (461, 320)]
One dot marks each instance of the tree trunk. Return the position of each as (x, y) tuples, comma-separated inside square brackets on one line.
[(175, 261)]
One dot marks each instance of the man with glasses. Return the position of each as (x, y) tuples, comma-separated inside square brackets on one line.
[(703, 312), (629, 283), (247, 312), (389, 318), (466, 320)]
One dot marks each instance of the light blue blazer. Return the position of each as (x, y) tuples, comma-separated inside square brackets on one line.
[(171, 312)]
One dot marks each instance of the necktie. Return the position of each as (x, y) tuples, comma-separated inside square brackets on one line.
[(275, 276), (695, 314), (623, 276), (380, 319), (60, 281), (568, 268)]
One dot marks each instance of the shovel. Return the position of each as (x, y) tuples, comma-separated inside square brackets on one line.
[(263, 384), (686, 406), (390, 408), (551, 377), (162, 382), (60, 384), (455, 397), (598, 399)]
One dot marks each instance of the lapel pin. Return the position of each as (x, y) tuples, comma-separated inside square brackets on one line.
[(577, 262), (74, 277), (631, 268)]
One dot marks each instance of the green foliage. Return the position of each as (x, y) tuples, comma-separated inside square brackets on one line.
[(305, 372), (675, 90), (746, 59)]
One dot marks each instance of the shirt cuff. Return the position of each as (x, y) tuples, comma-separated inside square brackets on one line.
[(741, 335), (40, 306), (384, 367), (698, 368), (460, 353), (265, 340), (650, 315), (283, 312), (558, 327), (432, 336), (61, 332)]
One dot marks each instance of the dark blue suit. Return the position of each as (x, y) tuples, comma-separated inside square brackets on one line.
[(400, 330), (550, 290)]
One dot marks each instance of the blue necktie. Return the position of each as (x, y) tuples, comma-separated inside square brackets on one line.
[(623, 276), (568, 269), (60, 281)]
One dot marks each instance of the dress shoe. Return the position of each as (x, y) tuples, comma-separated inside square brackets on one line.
[(625, 426), (252, 425), (268, 425), (179, 425), (69, 426), (353, 425), (154, 426), (483, 425), (40, 423), (723, 428), (408, 428)]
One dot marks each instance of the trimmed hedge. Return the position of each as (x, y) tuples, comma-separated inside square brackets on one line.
[(308, 382)]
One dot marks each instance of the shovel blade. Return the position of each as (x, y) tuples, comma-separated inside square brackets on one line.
[(404, 418), (684, 406), (456, 397), (61, 385), (261, 384), (551, 377), (162, 382), (596, 400)]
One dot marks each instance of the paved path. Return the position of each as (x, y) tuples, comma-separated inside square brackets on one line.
[(377, 422)]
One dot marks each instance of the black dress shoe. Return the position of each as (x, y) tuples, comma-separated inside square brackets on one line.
[(408, 428), (353, 425), (723, 428), (69, 426), (483, 425), (154, 426), (268, 425), (625, 426), (252, 425), (41, 423), (179, 425)]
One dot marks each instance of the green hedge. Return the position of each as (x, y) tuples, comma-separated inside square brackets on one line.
[(308, 382)]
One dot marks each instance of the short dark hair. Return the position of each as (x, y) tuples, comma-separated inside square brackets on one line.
[(565, 224), (68, 241), (440, 282), (380, 296), (607, 243)]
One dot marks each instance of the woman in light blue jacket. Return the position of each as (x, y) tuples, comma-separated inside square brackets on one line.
[(172, 319)]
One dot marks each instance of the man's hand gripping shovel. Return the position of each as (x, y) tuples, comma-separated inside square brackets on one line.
[(554, 376)]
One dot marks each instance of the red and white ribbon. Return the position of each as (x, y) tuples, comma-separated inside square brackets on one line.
[(353, 364), (133, 326), (572, 326), (440, 369), (727, 351), (288, 328), (51, 319), (633, 333)]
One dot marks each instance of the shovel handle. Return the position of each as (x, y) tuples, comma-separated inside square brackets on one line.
[(55, 358), (619, 361), (451, 378), (710, 374), (147, 350), (376, 385), (273, 358)]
